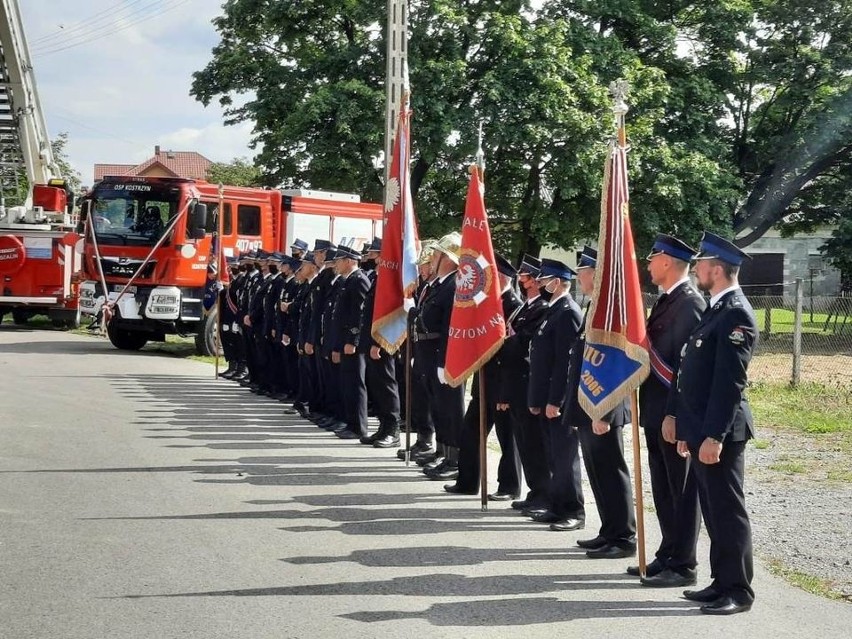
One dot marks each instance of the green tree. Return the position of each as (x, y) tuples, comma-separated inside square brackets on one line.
[(733, 108), (60, 158), (239, 172)]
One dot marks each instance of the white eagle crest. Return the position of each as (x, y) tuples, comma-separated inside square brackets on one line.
[(466, 277), (391, 194)]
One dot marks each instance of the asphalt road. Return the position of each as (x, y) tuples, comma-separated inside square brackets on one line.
[(139, 497)]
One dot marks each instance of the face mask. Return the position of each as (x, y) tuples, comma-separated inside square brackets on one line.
[(273, 269), (368, 265), (545, 294), (551, 286)]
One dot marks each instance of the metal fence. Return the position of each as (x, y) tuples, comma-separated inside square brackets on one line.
[(813, 345), (803, 339)]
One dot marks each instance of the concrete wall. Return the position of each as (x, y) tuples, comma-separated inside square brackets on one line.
[(801, 254)]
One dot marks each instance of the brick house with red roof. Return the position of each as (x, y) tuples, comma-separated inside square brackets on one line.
[(185, 164)]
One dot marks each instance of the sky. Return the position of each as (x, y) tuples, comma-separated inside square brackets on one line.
[(115, 75)]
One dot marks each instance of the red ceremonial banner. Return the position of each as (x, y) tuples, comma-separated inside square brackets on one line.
[(477, 325)]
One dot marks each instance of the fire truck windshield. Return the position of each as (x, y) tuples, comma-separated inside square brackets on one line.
[(132, 214)]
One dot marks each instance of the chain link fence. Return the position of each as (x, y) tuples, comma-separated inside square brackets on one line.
[(802, 339)]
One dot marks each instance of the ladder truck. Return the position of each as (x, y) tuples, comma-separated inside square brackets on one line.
[(39, 248)]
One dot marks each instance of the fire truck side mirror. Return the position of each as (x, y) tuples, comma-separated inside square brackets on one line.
[(85, 209), (197, 221)]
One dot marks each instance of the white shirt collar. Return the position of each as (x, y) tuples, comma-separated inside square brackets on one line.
[(722, 294), (556, 298), (443, 279), (530, 300), (678, 283)]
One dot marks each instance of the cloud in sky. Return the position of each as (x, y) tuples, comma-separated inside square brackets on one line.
[(125, 88)]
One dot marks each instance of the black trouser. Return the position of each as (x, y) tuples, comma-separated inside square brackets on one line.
[(332, 398), (530, 444), (720, 492), (228, 344), (675, 500), (308, 381), (261, 359), (400, 366), (565, 489), (251, 353), (383, 389), (291, 368), (421, 415), (352, 370), (277, 372), (609, 478), (508, 470), (446, 405)]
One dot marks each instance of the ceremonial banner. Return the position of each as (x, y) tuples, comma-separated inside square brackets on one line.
[(477, 325), (615, 359), (396, 269)]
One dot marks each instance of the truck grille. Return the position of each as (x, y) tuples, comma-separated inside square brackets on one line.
[(124, 267)]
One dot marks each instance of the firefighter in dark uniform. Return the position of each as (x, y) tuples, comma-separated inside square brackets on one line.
[(229, 320), (253, 281), (431, 332), (549, 356), (348, 319), (603, 449), (713, 421), (514, 381), (308, 383), (673, 317), (277, 379), (318, 293), (423, 451), (330, 351), (508, 471), (288, 317), (381, 366)]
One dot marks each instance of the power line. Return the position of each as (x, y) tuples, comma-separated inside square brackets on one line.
[(86, 23), (100, 36)]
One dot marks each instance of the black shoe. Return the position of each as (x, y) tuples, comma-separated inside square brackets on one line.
[(498, 496), (416, 448), (228, 372), (652, 569), (592, 544), (725, 606), (521, 504), (388, 441), (705, 595), (340, 427), (455, 489), (447, 473), (669, 578), (567, 525), (436, 466), (369, 440), (345, 433), (611, 551), (535, 510), (546, 517), (430, 463)]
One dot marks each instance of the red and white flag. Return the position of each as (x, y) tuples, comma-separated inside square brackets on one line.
[(477, 325)]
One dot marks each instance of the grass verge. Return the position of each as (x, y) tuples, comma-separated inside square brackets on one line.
[(804, 581)]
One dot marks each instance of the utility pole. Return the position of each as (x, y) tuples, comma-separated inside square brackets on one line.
[(396, 77)]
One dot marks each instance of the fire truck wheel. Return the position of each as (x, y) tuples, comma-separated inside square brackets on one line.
[(21, 316), (126, 340), (205, 338)]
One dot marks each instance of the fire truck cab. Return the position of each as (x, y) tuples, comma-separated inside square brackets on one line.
[(150, 246)]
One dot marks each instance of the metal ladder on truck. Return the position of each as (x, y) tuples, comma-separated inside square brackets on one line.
[(37, 240), (24, 141)]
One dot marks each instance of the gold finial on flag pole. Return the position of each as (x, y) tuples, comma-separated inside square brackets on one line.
[(619, 91)]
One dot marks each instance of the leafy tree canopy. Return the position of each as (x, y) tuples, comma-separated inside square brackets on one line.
[(740, 109), (239, 172)]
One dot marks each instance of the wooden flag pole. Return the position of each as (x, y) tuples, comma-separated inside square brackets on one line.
[(483, 451), (408, 393), (619, 93), (637, 483)]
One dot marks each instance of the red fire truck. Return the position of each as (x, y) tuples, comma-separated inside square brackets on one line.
[(38, 257), (149, 245)]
